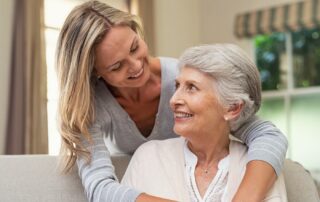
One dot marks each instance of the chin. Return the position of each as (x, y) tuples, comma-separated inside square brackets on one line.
[(144, 80), (146, 77), (181, 132), (140, 82)]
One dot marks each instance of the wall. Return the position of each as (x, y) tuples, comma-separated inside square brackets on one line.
[(218, 16), (183, 23), (217, 19), (177, 26), (6, 10)]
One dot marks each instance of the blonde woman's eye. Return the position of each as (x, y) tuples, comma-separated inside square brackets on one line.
[(116, 67), (134, 49)]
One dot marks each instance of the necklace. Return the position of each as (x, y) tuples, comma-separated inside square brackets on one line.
[(206, 170)]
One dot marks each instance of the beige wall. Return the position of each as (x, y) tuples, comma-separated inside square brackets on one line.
[(177, 26), (183, 23), (217, 17), (6, 10)]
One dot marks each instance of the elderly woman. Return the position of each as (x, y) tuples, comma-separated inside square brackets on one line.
[(218, 89)]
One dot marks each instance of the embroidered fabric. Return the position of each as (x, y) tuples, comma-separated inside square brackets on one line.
[(217, 186)]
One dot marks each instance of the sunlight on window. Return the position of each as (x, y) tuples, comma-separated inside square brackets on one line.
[(56, 11), (52, 91)]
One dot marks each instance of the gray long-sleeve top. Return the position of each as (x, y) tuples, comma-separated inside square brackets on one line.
[(115, 132)]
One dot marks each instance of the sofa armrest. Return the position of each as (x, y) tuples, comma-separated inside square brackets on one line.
[(31, 178), (300, 185)]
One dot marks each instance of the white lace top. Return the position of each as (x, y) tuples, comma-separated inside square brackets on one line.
[(217, 186)]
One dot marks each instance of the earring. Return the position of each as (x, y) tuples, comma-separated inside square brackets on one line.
[(226, 118)]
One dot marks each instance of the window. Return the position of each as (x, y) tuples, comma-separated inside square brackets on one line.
[(55, 12), (289, 65)]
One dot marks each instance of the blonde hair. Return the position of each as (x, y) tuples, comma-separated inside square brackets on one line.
[(84, 28)]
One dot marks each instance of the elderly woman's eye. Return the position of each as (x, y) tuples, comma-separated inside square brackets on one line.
[(177, 85), (192, 87)]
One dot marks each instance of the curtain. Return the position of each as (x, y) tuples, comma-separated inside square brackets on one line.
[(288, 17), (27, 114)]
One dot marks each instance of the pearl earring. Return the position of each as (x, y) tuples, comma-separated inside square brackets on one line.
[(226, 118)]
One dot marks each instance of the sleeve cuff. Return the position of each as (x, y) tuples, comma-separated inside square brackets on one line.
[(261, 156), (131, 195)]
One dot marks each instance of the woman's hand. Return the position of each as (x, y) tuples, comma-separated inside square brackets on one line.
[(147, 198), (258, 179)]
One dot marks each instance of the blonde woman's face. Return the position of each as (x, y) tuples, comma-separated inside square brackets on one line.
[(195, 104), (122, 58)]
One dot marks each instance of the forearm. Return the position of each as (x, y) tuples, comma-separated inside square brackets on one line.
[(147, 198), (266, 154), (258, 179), (98, 177), (100, 182)]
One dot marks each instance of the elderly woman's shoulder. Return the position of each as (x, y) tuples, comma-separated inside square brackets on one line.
[(160, 146)]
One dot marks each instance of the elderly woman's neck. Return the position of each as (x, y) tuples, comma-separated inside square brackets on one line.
[(211, 148)]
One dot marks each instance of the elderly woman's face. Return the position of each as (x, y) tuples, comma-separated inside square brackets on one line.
[(195, 105)]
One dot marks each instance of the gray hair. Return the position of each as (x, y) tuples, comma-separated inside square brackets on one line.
[(236, 76)]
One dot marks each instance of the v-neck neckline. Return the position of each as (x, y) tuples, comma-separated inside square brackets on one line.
[(120, 110)]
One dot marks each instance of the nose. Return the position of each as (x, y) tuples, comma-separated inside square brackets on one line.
[(134, 64), (176, 99)]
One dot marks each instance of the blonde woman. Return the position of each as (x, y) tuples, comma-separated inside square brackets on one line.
[(114, 96), (218, 89)]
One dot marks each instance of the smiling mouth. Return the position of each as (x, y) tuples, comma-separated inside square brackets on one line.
[(138, 74), (182, 115)]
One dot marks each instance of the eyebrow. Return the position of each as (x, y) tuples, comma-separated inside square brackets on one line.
[(188, 81), (132, 43)]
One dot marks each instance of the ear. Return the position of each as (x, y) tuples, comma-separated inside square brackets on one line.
[(234, 111)]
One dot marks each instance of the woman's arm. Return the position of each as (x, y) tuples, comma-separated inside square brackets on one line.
[(98, 177), (266, 154), (257, 181), (148, 198)]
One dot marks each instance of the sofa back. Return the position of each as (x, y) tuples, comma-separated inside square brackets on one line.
[(300, 185), (36, 178)]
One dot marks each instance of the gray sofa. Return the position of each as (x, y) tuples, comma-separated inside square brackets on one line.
[(35, 178)]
